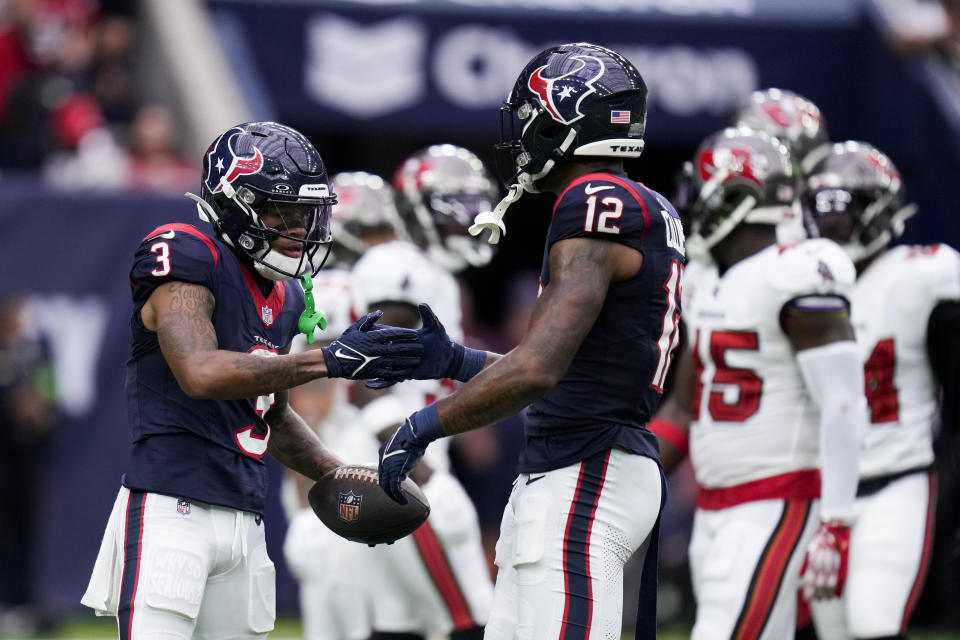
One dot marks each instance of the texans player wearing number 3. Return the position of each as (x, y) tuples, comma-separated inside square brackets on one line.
[(771, 392), (906, 310), (184, 553), (591, 367)]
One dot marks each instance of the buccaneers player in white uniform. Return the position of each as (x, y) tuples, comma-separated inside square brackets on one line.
[(770, 392), (435, 580), (330, 571), (904, 308)]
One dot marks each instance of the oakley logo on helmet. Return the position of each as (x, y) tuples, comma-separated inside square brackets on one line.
[(561, 96), (224, 164), (737, 162)]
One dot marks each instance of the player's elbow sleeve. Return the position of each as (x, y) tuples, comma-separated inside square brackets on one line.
[(834, 375)]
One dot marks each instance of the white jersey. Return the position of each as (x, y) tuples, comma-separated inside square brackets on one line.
[(753, 416), (399, 271), (892, 303)]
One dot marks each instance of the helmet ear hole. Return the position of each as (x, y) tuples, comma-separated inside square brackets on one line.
[(552, 131)]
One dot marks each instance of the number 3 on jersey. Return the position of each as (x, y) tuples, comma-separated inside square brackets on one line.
[(162, 249), (250, 442)]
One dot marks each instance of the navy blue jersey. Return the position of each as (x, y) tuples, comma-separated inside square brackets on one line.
[(614, 384), (206, 450)]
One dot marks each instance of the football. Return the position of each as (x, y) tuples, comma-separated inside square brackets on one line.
[(351, 503)]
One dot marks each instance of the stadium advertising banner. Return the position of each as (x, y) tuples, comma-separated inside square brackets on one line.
[(447, 66)]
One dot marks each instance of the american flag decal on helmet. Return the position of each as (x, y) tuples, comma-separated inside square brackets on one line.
[(349, 510), (619, 117)]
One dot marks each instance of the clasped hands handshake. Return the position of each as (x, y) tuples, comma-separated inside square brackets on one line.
[(385, 355)]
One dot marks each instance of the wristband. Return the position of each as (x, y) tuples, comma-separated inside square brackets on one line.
[(427, 423), (672, 433), (471, 365)]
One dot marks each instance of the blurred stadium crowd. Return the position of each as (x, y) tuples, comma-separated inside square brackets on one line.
[(101, 117)]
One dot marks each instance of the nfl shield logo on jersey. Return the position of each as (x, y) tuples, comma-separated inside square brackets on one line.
[(267, 314), (183, 507), (349, 506)]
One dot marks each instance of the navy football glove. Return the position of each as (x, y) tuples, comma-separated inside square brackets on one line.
[(369, 350), (401, 453), (442, 357)]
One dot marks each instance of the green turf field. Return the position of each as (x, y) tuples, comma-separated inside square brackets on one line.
[(289, 629)]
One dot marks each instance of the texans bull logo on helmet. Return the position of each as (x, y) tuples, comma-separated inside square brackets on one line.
[(223, 163), (561, 96), (738, 163)]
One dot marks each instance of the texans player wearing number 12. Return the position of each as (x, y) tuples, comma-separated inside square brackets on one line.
[(590, 369), (771, 391), (184, 553)]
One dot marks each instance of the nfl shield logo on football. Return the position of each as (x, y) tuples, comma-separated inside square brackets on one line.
[(183, 507), (349, 506), (267, 314)]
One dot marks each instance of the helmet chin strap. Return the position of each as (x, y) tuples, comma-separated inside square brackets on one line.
[(724, 228), (857, 251), (492, 221), (446, 260)]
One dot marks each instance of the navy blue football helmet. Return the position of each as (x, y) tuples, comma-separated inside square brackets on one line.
[(576, 99), (855, 196), (265, 183)]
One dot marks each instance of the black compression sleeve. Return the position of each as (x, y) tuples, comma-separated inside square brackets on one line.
[(943, 348)]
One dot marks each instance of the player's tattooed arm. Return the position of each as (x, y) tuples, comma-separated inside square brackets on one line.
[(181, 313), (294, 444), (581, 271)]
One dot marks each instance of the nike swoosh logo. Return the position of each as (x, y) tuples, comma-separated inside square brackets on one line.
[(168, 235), (340, 354), (533, 479), (590, 189)]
